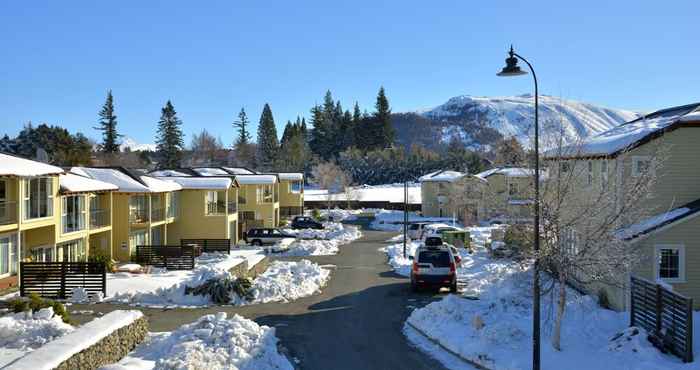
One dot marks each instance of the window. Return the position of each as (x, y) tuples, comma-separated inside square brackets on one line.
[(603, 173), (157, 236), (247, 215), (42, 254), (138, 208), (38, 198), (137, 238), (173, 203), (670, 263), (73, 213), (6, 208), (8, 255), (264, 193), (590, 173), (215, 202), (73, 251), (295, 186), (512, 188), (641, 166), (241, 197)]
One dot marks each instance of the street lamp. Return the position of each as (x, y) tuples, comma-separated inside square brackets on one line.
[(512, 69)]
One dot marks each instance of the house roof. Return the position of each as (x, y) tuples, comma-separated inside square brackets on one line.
[(442, 176), (126, 180), (291, 176), (256, 179), (12, 165), (211, 171), (169, 173), (507, 172), (203, 183), (631, 134), (239, 170), (72, 183), (658, 221)]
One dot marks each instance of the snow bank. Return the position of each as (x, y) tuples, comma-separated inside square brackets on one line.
[(589, 339), (288, 281), (324, 242), (26, 331), (394, 252), (389, 220), (212, 342), (55, 352)]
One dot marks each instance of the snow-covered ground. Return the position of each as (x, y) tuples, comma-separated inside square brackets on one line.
[(324, 242), (384, 219), (504, 308), (368, 193), (282, 281), (24, 332), (212, 342)]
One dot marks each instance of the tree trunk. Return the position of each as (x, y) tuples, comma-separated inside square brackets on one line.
[(561, 305)]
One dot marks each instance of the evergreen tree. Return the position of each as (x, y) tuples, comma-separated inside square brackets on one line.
[(268, 144), (242, 125), (287, 134), (108, 126), (321, 134), (384, 130), (169, 139)]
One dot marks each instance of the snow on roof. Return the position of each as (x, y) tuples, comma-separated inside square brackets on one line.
[(239, 170), (627, 135), (442, 176), (127, 183), (211, 171), (377, 193), (168, 173), (52, 354), (11, 165), (657, 221), (507, 172), (212, 183), (291, 176), (72, 183), (256, 179)]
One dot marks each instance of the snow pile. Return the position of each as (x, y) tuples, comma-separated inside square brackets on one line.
[(389, 220), (212, 342), (27, 331), (504, 308), (338, 215), (324, 242), (301, 247), (288, 281), (394, 252)]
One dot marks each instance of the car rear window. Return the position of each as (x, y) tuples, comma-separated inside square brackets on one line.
[(413, 227), (436, 258)]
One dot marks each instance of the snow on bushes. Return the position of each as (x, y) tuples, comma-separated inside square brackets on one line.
[(211, 342), (27, 330)]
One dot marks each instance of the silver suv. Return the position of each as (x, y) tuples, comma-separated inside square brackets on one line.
[(434, 265)]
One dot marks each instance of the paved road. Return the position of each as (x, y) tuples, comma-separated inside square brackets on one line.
[(354, 324)]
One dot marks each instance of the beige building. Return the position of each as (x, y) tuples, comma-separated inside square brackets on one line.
[(668, 240), (509, 194)]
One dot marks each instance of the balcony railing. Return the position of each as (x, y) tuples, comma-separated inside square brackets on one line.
[(73, 222), (138, 216), (232, 207), (157, 214), (8, 212), (216, 208), (99, 218)]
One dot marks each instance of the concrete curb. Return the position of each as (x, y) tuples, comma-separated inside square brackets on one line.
[(453, 353)]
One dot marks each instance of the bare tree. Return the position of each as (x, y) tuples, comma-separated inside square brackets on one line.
[(586, 203), (205, 148), (331, 177)]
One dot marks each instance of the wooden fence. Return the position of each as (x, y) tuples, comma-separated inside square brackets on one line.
[(209, 245), (171, 257), (57, 279), (666, 315)]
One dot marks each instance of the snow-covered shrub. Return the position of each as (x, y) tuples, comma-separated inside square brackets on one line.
[(220, 290), (36, 303)]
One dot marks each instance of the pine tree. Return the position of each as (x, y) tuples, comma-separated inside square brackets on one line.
[(384, 130), (287, 134), (169, 139), (242, 125), (108, 126), (268, 144)]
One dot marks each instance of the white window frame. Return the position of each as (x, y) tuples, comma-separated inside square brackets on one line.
[(292, 184), (42, 249), (78, 216), (681, 262), (27, 198), (11, 254), (72, 251), (635, 164)]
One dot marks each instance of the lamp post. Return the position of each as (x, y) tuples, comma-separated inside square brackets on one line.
[(512, 69)]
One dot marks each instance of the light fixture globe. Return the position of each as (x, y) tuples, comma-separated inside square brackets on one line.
[(511, 68)]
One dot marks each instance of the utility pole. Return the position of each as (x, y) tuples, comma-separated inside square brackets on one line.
[(405, 216)]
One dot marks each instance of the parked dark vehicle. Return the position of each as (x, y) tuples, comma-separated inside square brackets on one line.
[(434, 265), (305, 222), (265, 236)]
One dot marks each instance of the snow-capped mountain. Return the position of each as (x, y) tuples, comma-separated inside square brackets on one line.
[(130, 143), (468, 117)]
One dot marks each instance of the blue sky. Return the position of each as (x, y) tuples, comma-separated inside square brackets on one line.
[(58, 59)]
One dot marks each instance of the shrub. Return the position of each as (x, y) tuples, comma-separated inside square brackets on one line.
[(220, 289), (35, 303), (284, 222), (316, 214), (518, 238), (103, 259), (603, 299)]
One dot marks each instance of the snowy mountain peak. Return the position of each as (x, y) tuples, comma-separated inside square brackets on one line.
[(130, 143), (514, 116)]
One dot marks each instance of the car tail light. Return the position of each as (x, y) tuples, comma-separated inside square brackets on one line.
[(453, 268), (415, 268)]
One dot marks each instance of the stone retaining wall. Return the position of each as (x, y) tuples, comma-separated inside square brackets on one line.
[(110, 349), (244, 270)]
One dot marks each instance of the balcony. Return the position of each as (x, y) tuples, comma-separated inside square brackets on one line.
[(232, 207), (138, 216), (8, 212), (216, 208), (99, 218), (157, 214)]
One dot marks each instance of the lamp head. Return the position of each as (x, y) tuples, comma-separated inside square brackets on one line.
[(511, 68)]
